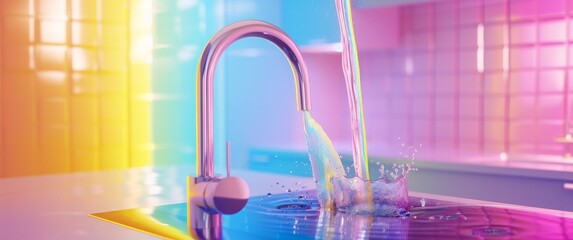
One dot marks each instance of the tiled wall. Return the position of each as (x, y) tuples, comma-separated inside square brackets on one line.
[(74, 85), (181, 29), (478, 76), (255, 106)]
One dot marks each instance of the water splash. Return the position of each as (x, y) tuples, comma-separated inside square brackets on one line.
[(324, 159), (383, 197), (387, 196)]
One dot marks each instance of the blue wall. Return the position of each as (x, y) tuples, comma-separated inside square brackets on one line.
[(255, 96)]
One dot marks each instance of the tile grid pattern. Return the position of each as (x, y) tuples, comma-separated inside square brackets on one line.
[(70, 98), (484, 76)]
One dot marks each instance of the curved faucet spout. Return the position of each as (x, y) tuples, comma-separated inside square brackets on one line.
[(206, 72)]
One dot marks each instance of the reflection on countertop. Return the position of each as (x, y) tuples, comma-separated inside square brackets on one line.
[(57, 206)]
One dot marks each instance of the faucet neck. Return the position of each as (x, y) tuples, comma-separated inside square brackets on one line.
[(205, 80)]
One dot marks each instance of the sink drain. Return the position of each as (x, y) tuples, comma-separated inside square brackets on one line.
[(294, 206), (492, 231)]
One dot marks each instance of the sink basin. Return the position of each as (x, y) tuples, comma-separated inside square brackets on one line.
[(298, 215)]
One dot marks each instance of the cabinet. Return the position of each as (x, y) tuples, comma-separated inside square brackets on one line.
[(529, 187)]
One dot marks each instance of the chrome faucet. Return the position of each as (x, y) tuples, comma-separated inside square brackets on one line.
[(209, 196)]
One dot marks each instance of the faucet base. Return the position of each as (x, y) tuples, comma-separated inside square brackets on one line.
[(201, 223)]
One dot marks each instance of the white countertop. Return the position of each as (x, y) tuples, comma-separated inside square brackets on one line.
[(57, 206)]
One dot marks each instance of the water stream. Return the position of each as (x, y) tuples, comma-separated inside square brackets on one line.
[(386, 196), (351, 70), (324, 160)]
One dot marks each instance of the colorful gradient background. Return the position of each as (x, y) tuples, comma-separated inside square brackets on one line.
[(88, 85), (75, 85)]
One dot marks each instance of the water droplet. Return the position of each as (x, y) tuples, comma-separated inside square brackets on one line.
[(269, 194), (403, 213), (423, 202), (290, 171), (276, 156)]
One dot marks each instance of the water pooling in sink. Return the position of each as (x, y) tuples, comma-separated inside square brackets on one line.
[(297, 215)]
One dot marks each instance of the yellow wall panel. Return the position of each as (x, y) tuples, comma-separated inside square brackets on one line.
[(114, 157), (141, 143), (84, 59), (52, 31), (52, 83), (54, 149), (15, 7), (141, 155), (84, 33), (20, 125), (113, 60), (114, 36), (53, 111), (85, 136), (17, 57), (113, 134), (49, 57), (18, 98), (85, 159), (84, 110), (2, 19), (114, 148), (74, 89), (139, 121), (113, 83), (85, 84), (114, 10), (1, 122), (17, 29), (113, 110), (140, 79), (52, 8), (20, 151), (84, 9)]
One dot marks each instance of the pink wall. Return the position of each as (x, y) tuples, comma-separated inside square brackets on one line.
[(477, 76)]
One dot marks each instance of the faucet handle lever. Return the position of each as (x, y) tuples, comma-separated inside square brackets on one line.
[(228, 158)]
